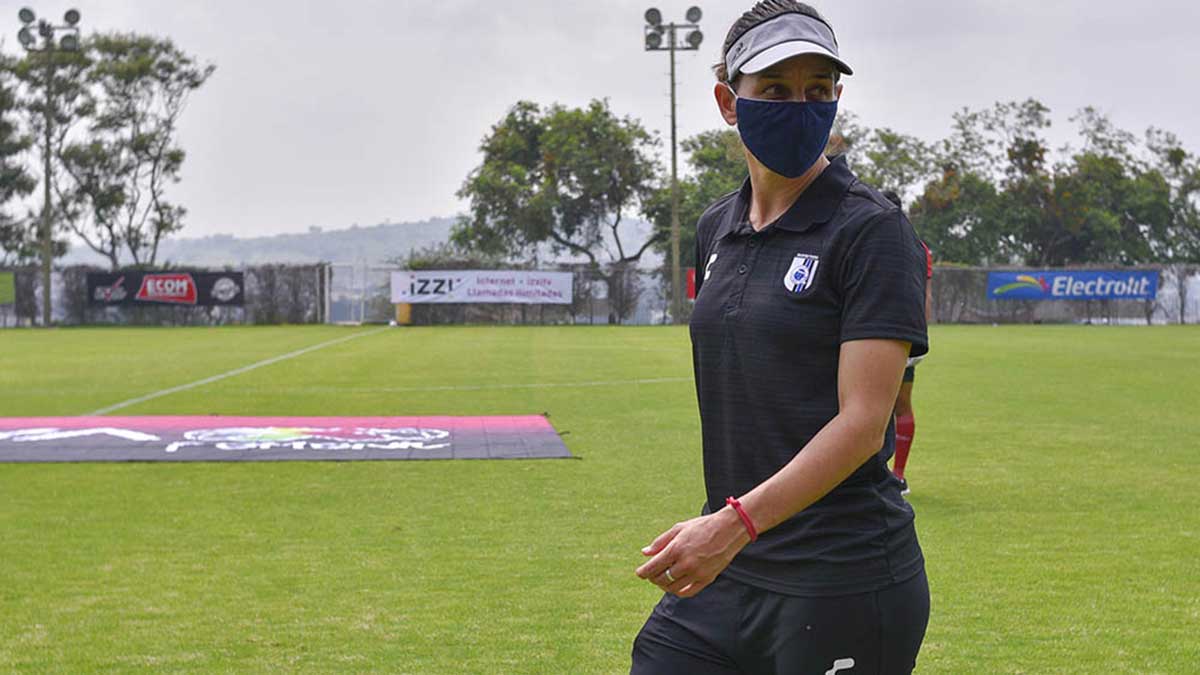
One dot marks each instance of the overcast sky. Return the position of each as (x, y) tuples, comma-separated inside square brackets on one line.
[(365, 111)]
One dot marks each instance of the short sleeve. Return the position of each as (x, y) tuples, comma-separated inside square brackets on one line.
[(883, 284)]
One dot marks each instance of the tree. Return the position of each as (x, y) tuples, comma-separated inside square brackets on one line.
[(717, 167), (51, 99), (566, 177), (16, 243), (888, 160), (115, 200), (958, 216), (1180, 170), (1105, 209), (562, 177)]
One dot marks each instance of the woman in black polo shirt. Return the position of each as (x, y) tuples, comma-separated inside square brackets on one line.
[(809, 302)]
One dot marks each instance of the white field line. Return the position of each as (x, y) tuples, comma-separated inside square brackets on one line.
[(482, 387), (232, 373)]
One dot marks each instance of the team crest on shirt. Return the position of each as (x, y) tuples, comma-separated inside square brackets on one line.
[(803, 272)]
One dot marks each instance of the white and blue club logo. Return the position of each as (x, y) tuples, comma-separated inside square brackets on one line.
[(802, 273)]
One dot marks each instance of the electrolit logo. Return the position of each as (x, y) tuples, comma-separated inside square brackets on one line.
[(1024, 281)]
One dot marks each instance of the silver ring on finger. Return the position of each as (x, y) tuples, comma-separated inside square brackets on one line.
[(667, 574)]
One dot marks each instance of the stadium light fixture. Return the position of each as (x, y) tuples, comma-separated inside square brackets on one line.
[(71, 17), (26, 37), (26, 16), (655, 33)]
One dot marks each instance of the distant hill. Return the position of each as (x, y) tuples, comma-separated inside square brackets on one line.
[(373, 244)]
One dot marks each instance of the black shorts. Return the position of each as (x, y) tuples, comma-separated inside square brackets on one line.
[(734, 629), (910, 374)]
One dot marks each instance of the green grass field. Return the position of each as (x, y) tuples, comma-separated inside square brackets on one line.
[(1054, 477)]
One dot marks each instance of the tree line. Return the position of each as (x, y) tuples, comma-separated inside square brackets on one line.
[(991, 192), (107, 116)]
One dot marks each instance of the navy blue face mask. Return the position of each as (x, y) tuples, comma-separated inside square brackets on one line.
[(788, 137)]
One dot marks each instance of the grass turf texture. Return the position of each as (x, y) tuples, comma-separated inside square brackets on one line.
[(1053, 475)]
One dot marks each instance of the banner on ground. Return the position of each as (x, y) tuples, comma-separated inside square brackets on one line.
[(8, 289), (231, 439), (205, 289), (1073, 285), (478, 286)]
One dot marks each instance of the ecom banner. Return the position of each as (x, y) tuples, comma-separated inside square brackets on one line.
[(1073, 285), (206, 289), (475, 286)]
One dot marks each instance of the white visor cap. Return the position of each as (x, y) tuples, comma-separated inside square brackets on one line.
[(782, 38)]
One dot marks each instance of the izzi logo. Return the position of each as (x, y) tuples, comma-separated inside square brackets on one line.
[(433, 286)]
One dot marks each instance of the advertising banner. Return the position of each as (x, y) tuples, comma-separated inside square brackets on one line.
[(8, 289), (1073, 285), (229, 439), (477, 286), (205, 289)]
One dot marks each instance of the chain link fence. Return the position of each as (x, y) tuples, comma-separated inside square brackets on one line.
[(274, 294), (359, 293), (960, 296)]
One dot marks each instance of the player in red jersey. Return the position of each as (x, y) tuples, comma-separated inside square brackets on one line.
[(905, 423)]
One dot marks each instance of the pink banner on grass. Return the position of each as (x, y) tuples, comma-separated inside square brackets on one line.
[(183, 439)]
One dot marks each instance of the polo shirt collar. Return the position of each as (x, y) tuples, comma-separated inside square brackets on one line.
[(817, 204)]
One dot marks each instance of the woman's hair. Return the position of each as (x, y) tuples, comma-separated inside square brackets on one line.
[(763, 11)]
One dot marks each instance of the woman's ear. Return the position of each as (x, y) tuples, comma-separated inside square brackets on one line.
[(726, 102)]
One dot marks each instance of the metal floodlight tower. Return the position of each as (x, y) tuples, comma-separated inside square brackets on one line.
[(656, 33), (68, 43)]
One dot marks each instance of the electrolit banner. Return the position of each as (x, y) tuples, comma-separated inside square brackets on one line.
[(471, 286), (1073, 285)]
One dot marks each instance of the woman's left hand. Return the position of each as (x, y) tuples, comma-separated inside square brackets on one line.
[(690, 555)]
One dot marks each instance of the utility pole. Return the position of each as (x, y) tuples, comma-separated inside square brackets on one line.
[(654, 30), (47, 49)]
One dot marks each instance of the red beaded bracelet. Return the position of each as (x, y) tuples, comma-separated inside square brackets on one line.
[(737, 506)]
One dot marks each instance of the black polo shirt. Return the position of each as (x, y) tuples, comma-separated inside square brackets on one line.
[(772, 310)]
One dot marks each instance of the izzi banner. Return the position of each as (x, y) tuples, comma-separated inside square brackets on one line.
[(205, 289), (474, 286), (1073, 285)]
